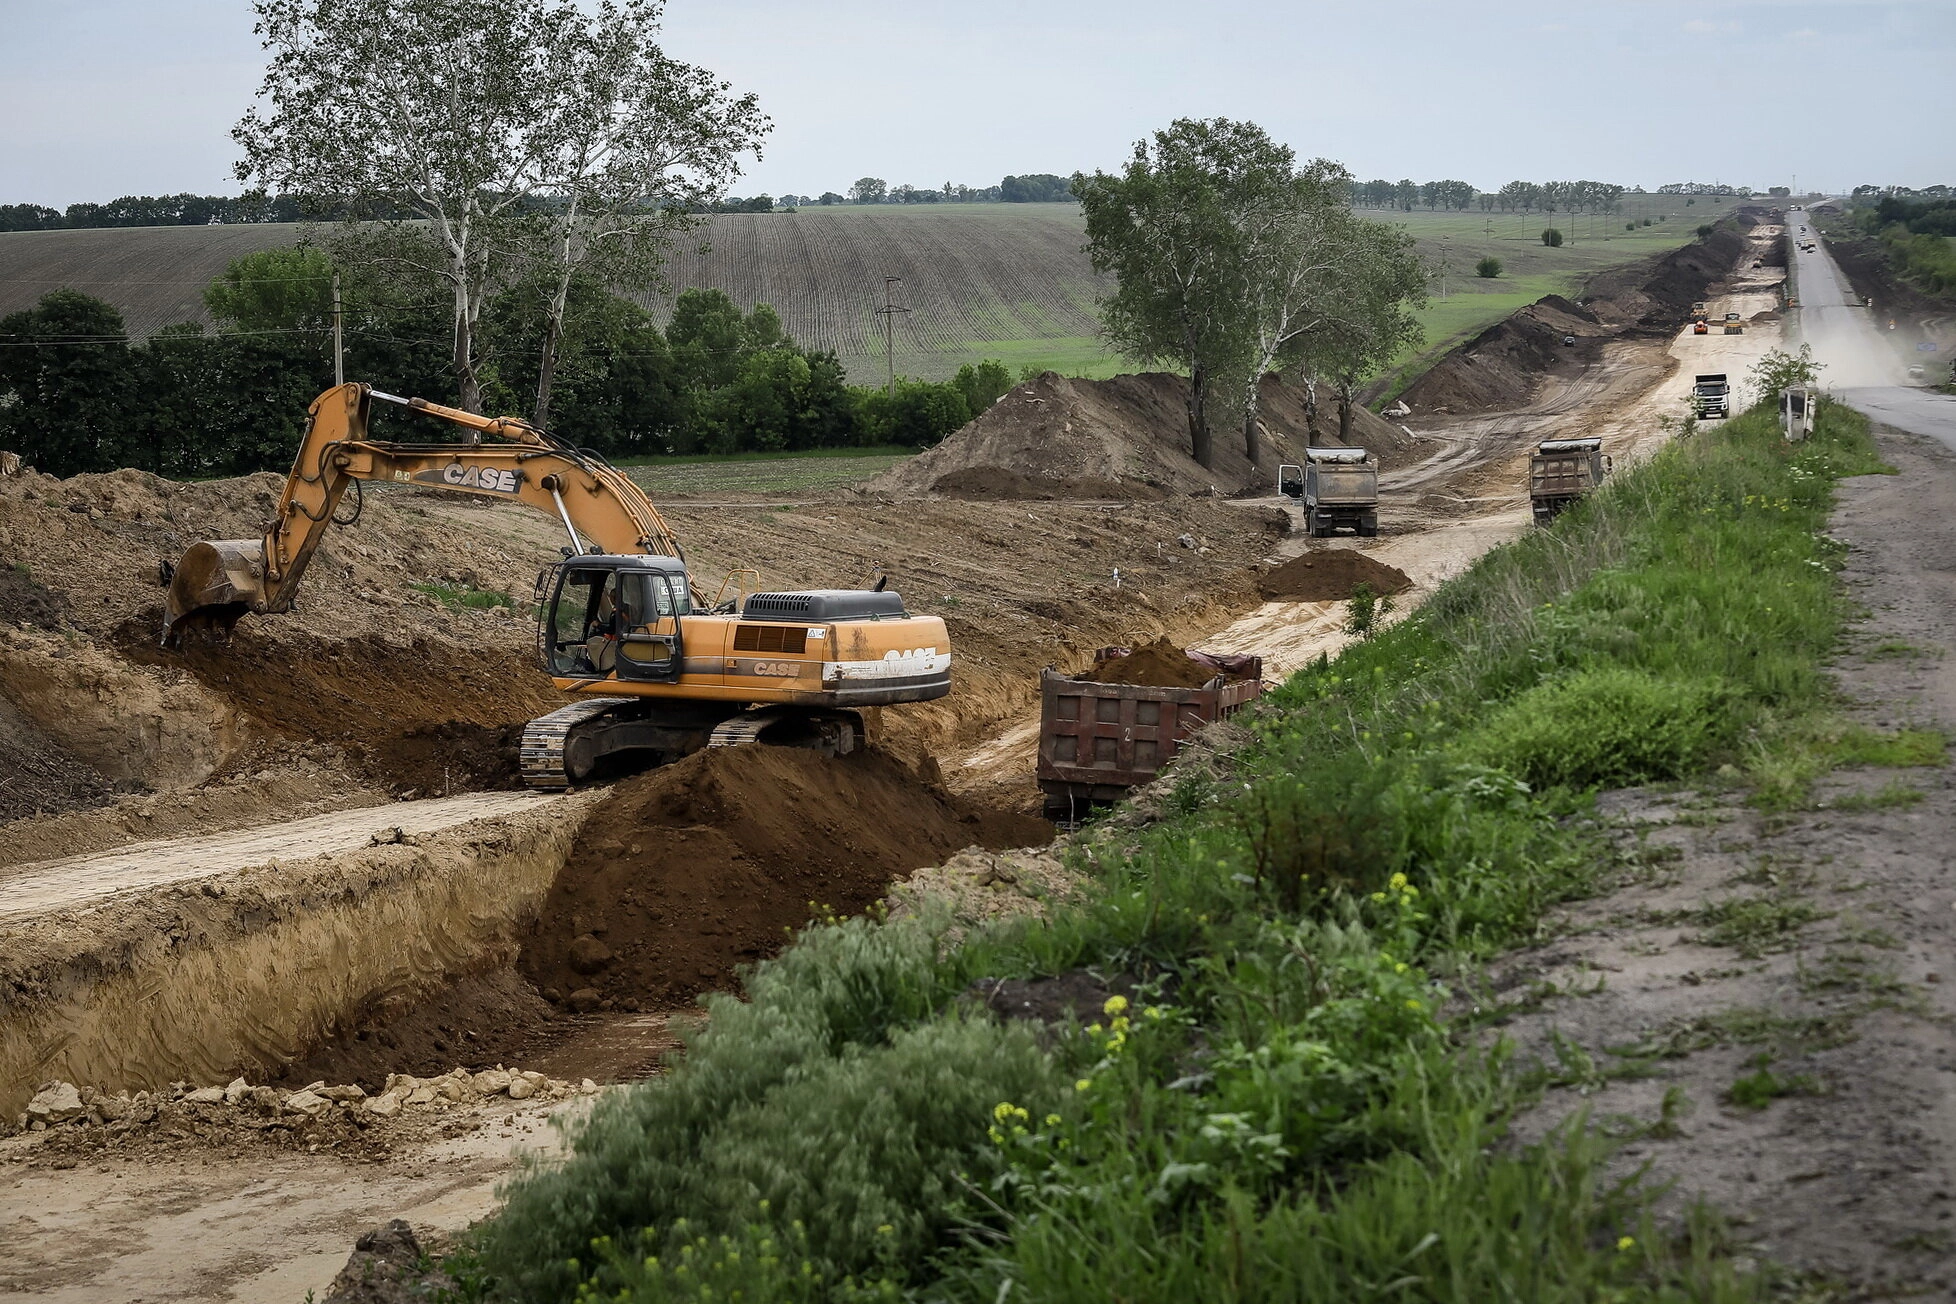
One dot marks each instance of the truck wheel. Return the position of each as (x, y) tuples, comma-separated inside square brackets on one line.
[(1368, 527)]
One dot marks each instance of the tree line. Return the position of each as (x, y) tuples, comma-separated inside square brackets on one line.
[(1918, 233), (1527, 196), (77, 394), (1231, 261)]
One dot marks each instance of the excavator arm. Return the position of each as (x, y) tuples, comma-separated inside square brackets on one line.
[(602, 511)]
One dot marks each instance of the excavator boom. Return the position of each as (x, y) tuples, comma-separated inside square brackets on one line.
[(653, 668), (218, 581)]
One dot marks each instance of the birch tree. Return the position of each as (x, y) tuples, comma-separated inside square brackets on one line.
[(470, 126), (1293, 240), (635, 142), (1376, 289), (1168, 228)]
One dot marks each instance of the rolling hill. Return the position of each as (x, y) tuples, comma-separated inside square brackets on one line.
[(1006, 281)]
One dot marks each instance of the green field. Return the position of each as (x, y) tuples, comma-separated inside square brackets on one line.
[(1006, 281), (762, 473)]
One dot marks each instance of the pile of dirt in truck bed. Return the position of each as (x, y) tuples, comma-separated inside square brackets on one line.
[(693, 869), (1330, 575), (1124, 437), (1159, 664)]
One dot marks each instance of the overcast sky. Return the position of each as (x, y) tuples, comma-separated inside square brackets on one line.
[(112, 97)]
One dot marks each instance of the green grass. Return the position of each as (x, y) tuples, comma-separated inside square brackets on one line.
[(762, 473), (1762, 1086), (464, 597), (1282, 1109)]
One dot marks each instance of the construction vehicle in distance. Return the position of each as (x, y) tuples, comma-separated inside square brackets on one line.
[(1562, 472), (1700, 328), (1339, 488), (1734, 325), (1711, 396), (657, 670), (1700, 311)]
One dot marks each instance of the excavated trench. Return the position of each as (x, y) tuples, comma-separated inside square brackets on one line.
[(475, 930)]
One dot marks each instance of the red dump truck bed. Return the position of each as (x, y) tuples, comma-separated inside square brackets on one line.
[(1098, 740)]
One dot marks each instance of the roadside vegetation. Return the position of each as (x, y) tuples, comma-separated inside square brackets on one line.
[(1917, 235), (1275, 1091)]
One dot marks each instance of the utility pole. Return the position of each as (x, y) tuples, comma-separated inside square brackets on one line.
[(888, 313), (339, 356)]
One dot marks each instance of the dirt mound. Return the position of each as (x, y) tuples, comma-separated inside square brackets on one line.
[(1500, 367), (450, 757), (418, 714), (1330, 575), (1124, 437), (691, 870), (38, 777), (22, 601), (477, 1023), (1159, 664)]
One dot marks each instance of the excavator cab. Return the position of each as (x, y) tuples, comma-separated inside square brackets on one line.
[(611, 615)]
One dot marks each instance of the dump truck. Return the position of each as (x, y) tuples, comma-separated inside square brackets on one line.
[(1098, 740), (1734, 325), (1711, 396), (1562, 472), (1339, 488), (1700, 311)]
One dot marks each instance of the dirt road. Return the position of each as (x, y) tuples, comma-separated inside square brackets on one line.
[(51, 885)]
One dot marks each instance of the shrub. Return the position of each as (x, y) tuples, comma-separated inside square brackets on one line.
[(1552, 238), (1488, 268), (1704, 230), (1606, 726)]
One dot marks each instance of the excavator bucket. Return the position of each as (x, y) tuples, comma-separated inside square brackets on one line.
[(217, 581)]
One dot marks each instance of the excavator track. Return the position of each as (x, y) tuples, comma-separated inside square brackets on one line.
[(739, 730), (544, 738)]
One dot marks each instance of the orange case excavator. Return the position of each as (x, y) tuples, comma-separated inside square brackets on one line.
[(655, 669)]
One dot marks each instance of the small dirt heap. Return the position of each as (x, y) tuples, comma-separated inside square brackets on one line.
[(696, 868), (1159, 664), (1125, 437), (1330, 575)]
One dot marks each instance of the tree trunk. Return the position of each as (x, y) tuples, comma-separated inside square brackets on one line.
[(1252, 401), (1345, 413), (1199, 415), (467, 383), (553, 332), (1310, 409)]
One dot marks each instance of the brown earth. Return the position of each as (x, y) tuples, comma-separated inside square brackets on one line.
[(477, 1023), (1330, 575), (1159, 665), (1124, 437), (687, 872), (1505, 364), (24, 601)]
